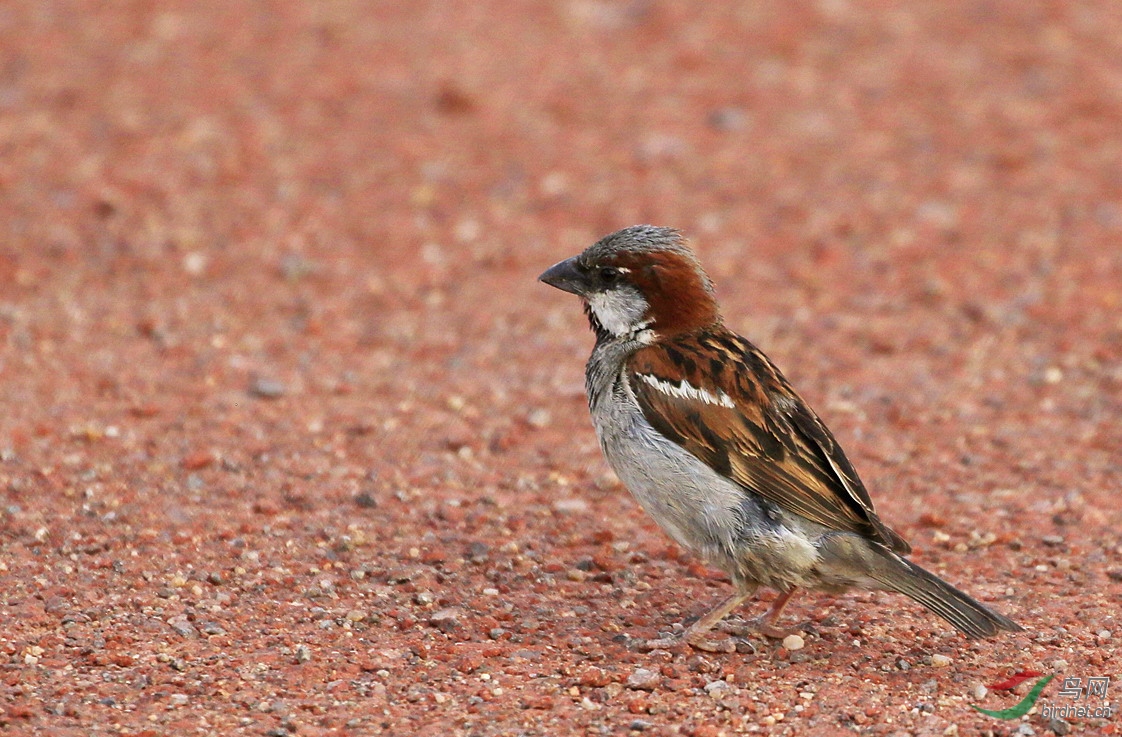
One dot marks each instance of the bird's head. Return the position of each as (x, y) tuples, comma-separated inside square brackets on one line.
[(641, 282)]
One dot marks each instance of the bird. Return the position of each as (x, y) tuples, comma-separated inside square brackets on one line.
[(718, 448)]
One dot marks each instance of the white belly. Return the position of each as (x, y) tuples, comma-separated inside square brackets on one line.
[(704, 512)]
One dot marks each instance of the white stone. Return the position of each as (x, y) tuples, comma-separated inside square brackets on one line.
[(793, 642)]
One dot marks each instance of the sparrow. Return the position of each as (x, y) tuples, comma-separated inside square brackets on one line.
[(718, 448)]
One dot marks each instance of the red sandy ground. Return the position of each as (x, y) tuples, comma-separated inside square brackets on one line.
[(291, 441)]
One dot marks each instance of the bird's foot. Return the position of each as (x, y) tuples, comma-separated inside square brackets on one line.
[(657, 643), (695, 634), (761, 625), (767, 629), (698, 641)]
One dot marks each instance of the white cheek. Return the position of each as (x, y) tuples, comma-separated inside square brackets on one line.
[(619, 311)]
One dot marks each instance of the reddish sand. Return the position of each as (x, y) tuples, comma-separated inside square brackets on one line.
[(291, 441)]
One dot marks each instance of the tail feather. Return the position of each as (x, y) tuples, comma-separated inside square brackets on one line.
[(968, 615), (847, 554)]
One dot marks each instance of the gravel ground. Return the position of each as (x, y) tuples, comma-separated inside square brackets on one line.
[(291, 441)]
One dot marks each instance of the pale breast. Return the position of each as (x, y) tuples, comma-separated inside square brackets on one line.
[(710, 515)]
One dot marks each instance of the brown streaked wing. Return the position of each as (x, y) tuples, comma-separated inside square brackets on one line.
[(816, 436), (770, 442)]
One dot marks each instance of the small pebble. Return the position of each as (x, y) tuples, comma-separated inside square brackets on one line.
[(793, 642), (570, 505), (303, 653), (183, 628), (477, 552), (194, 263), (728, 119), (940, 661), (643, 679), (539, 418), (1059, 726), (445, 620), (264, 388), (365, 500), (719, 689)]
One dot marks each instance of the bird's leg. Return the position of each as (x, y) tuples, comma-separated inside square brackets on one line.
[(694, 635), (766, 625)]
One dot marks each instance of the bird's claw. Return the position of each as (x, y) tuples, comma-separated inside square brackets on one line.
[(723, 645), (760, 625)]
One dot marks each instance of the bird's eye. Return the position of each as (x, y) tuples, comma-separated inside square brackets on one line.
[(609, 274)]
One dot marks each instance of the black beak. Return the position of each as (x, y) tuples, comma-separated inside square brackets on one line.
[(566, 276)]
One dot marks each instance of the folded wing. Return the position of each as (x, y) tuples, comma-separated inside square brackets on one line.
[(722, 400)]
